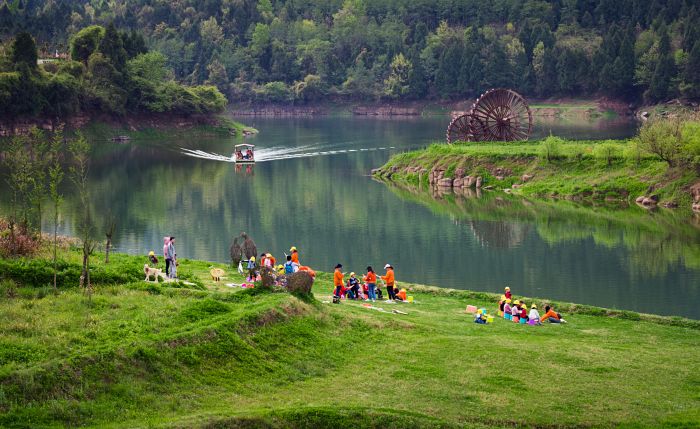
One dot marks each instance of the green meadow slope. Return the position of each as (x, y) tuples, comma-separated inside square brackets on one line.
[(591, 170), (205, 355)]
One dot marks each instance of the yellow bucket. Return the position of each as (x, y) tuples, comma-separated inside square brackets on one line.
[(489, 319), (409, 298)]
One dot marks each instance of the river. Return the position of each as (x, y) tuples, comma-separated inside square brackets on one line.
[(314, 192)]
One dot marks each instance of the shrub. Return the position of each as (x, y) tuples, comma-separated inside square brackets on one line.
[(607, 152), (663, 139), (39, 272), (633, 152), (16, 241), (551, 148)]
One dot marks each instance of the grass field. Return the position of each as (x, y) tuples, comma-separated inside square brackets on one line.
[(141, 355)]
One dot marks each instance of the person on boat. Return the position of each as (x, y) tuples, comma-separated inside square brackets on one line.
[(551, 316), (534, 314), (338, 280), (294, 255), (239, 155), (389, 281), (507, 293), (353, 286), (371, 280), (249, 154)]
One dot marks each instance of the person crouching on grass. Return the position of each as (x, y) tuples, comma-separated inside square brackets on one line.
[(551, 316)]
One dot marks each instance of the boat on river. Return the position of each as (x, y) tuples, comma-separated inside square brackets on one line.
[(244, 153)]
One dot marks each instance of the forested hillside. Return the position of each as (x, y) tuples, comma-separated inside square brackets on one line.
[(304, 50), (108, 71)]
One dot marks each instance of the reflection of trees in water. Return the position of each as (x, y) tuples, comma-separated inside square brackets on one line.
[(499, 234), (656, 243)]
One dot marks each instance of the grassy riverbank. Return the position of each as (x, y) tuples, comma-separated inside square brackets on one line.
[(613, 170), (206, 355)]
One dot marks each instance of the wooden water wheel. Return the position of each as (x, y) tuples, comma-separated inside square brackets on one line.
[(498, 115), (459, 129)]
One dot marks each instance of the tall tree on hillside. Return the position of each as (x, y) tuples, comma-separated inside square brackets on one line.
[(85, 42), (417, 78), (447, 74), (24, 52), (660, 85), (690, 86), (112, 47)]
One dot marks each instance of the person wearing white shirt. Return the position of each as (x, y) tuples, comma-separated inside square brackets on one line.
[(534, 314)]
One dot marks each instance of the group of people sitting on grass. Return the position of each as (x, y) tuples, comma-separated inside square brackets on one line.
[(353, 289), (517, 311)]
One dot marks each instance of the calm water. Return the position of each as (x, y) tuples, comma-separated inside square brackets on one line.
[(333, 212)]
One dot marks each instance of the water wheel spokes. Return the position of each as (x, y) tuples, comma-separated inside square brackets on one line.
[(500, 115), (459, 129)]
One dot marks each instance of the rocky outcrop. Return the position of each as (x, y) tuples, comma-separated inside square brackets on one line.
[(647, 202), (385, 111), (281, 111)]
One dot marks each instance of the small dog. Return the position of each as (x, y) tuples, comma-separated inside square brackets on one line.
[(152, 272)]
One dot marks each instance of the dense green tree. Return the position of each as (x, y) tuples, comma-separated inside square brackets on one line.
[(690, 86), (660, 84), (396, 84), (24, 52), (85, 42)]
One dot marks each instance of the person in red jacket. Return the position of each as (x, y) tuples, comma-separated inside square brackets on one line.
[(523, 311)]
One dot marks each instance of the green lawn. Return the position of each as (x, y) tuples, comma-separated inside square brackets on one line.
[(139, 355), (578, 169)]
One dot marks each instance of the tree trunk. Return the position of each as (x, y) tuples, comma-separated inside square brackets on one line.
[(107, 248)]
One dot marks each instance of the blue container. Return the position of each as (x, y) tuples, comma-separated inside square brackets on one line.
[(523, 321), (508, 316)]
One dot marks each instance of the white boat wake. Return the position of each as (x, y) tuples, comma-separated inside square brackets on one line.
[(275, 154)]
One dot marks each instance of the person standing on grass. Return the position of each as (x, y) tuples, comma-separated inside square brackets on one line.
[(166, 241), (389, 280), (295, 255), (170, 255), (338, 280), (371, 280)]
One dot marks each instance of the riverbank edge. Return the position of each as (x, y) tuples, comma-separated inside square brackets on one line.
[(129, 123), (19, 273), (547, 108), (561, 306), (582, 179)]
